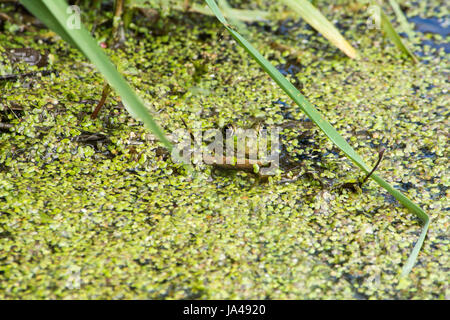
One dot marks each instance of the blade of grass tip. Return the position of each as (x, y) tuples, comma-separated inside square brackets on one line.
[(240, 26), (331, 133), (406, 27), (318, 21), (393, 35), (411, 206), (54, 12)]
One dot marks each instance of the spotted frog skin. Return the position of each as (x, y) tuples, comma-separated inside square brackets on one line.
[(244, 163), (30, 56)]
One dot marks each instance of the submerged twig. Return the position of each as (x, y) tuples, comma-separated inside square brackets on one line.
[(357, 185), (14, 77), (118, 11)]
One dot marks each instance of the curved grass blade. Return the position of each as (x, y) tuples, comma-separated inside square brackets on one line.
[(54, 14), (393, 35), (226, 8), (401, 18), (318, 21), (328, 129)]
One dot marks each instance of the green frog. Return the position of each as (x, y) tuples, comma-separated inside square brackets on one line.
[(248, 155), (30, 56)]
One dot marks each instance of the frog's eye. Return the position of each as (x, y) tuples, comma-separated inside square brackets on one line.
[(228, 130), (262, 128)]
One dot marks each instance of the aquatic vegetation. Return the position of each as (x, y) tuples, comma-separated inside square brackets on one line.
[(97, 209), (313, 16), (332, 134), (54, 14), (393, 35)]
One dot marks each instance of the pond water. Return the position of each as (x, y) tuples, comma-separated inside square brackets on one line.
[(96, 208), (440, 26)]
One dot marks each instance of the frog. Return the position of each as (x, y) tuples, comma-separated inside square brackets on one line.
[(250, 159), (30, 56)]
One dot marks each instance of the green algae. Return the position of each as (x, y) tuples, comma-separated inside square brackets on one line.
[(115, 218)]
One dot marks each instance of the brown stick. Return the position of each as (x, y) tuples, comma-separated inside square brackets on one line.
[(117, 14), (4, 16), (105, 93), (119, 8), (380, 157), (186, 5)]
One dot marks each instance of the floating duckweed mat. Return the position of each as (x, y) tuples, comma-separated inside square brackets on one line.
[(95, 208), (53, 13), (328, 129)]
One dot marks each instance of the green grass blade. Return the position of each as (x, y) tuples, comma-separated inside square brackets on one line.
[(53, 14), (394, 36), (406, 27), (227, 9), (318, 21), (411, 206), (326, 127)]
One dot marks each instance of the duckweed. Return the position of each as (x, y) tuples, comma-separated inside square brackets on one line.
[(96, 209)]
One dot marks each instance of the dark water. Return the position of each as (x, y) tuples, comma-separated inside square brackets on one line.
[(435, 26), (431, 25)]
